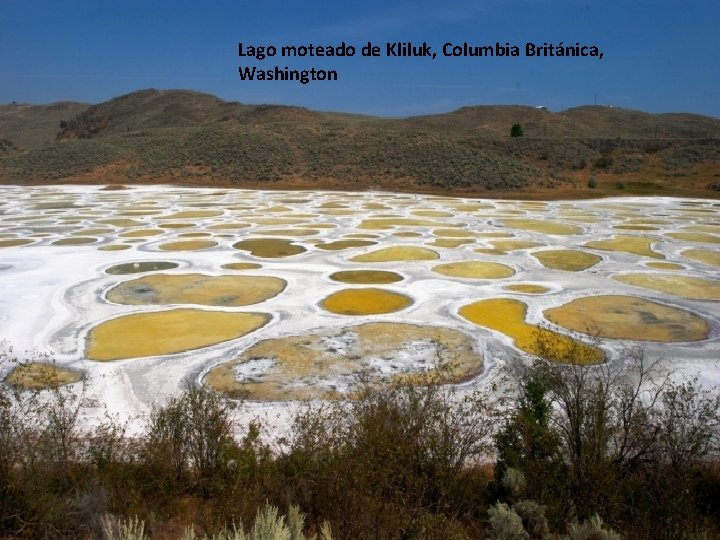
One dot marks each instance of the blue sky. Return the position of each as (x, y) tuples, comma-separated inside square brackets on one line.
[(659, 56)]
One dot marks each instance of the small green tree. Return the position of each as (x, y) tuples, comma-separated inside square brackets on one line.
[(516, 130), (615, 440), (528, 446)]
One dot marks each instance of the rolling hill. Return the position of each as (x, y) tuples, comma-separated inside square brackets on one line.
[(186, 137)]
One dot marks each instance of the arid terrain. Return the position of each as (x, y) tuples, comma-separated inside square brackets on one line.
[(395, 328), (195, 139)]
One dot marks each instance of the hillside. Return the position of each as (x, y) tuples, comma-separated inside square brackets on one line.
[(30, 126), (193, 138)]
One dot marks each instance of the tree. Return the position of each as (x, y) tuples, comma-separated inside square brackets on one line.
[(528, 443), (615, 439), (516, 130)]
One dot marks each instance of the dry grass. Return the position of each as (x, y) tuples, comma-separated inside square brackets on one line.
[(194, 139)]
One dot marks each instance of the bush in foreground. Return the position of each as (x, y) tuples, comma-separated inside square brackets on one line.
[(576, 447), (612, 441)]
